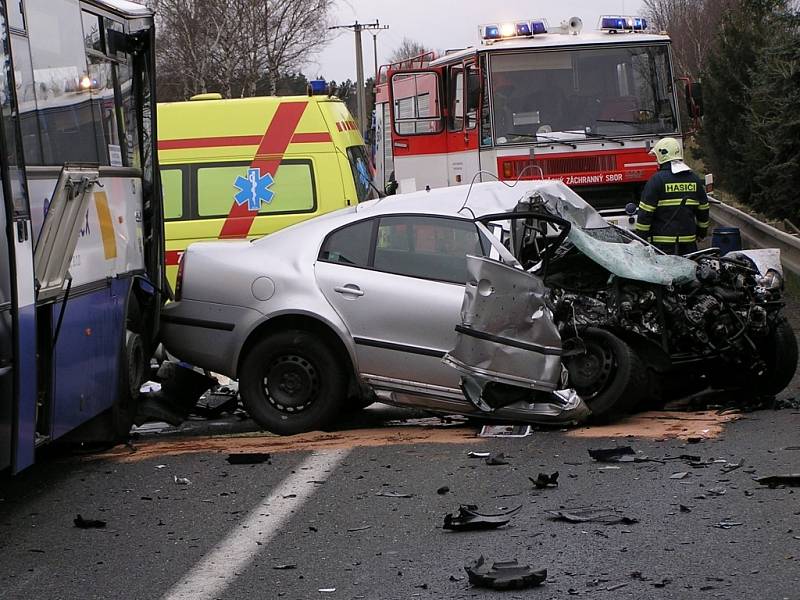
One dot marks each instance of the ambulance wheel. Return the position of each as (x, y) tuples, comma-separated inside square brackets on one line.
[(291, 382), (609, 376)]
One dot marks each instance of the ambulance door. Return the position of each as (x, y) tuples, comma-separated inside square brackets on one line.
[(463, 103)]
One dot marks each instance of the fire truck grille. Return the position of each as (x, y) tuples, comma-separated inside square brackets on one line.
[(561, 166)]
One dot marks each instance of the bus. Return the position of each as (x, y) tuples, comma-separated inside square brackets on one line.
[(533, 101), (82, 247)]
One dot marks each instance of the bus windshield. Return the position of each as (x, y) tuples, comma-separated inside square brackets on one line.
[(580, 94)]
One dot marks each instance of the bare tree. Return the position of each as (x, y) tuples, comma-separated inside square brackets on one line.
[(408, 48)]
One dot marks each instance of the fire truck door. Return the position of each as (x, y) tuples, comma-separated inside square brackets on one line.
[(463, 98)]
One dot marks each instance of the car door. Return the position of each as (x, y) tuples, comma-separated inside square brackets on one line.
[(398, 282)]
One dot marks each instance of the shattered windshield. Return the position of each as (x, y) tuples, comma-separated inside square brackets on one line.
[(581, 94)]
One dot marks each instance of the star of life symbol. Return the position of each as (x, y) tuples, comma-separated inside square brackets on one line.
[(254, 189)]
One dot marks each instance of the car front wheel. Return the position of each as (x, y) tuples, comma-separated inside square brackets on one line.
[(291, 382)]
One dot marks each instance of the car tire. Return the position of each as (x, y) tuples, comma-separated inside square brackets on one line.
[(779, 352), (291, 382), (609, 376)]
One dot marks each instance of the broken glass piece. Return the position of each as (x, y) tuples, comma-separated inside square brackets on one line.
[(503, 575), (468, 518), (607, 516)]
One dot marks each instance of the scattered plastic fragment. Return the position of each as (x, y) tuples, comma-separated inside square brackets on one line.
[(468, 518), (607, 516), (443, 490), (479, 454), (394, 495), (285, 567), (82, 523), (611, 588), (248, 458), (182, 480), (717, 491), (326, 590), (685, 509), (161, 466), (732, 466), (543, 480), (362, 528), (680, 475), (792, 480), (497, 459), (618, 454), (503, 575), (727, 524)]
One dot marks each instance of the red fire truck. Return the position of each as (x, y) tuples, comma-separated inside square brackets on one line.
[(533, 102)]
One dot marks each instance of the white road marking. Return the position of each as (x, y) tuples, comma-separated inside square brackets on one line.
[(217, 569)]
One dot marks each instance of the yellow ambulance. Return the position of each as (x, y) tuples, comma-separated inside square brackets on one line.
[(242, 168)]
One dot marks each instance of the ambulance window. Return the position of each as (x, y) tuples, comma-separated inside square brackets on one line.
[(362, 172), (292, 189), (172, 190), (455, 118)]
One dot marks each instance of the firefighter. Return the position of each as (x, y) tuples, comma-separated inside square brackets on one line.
[(673, 212)]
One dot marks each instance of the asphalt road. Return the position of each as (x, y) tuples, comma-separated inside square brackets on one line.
[(224, 534)]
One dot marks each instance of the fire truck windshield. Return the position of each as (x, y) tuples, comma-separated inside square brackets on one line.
[(580, 94)]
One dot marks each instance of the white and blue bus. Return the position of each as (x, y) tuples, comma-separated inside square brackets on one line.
[(81, 249)]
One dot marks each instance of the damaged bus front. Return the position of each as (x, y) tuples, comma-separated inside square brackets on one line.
[(563, 289)]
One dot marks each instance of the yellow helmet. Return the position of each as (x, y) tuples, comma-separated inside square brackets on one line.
[(667, 149)]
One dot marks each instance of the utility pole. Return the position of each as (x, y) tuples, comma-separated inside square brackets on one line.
[(361, 101)]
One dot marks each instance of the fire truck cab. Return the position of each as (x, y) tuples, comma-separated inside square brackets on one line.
[(532, 102)]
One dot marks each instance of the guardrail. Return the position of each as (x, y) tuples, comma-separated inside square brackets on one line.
[(759, 235)]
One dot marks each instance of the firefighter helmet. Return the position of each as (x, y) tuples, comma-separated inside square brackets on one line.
[(667, 149)]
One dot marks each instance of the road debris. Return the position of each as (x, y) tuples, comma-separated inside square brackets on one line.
[(249, 458), (479, 454), (717, 491), (727, 524), (684, 509), (82, 523), (362, 528), (443, 490), (613, 455), (680, 475), (791, 480), (503, 575), (497, 459), (543, 480), (182, 480), (394, 494), (501, 431), (326, 590), (607, 516), (468, 518), (732, 466), (285, 567)]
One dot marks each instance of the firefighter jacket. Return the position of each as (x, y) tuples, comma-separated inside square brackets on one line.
[(674, 208)]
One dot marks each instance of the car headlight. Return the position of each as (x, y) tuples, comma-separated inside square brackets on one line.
[(772, 280)]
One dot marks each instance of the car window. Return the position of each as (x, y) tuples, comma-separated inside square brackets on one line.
[(349, 245), (289, 190), (172, 190), (426, 247)]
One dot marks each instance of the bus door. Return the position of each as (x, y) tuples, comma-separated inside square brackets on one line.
[(17, 297), (463, 102)]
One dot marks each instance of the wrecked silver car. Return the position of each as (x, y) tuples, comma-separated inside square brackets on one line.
[(561, 314)]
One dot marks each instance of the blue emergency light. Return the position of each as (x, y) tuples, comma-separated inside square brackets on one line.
[(615, 23), (511, 30), (317, 87)]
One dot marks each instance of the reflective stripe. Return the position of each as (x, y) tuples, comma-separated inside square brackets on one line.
[(704, 206), (671, 239), (703, 224), (647, 207), (678, 203), (642, 227)]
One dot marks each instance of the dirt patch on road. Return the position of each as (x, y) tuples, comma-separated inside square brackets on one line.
[(661, 425), (316, 440)]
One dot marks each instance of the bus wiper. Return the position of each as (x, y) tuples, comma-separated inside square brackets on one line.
[(618, 121), (544, 137), (597, 136)]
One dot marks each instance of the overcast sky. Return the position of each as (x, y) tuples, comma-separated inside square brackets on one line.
[(441, 25)]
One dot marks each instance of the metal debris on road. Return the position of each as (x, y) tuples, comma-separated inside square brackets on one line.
[(503, 575), (518, 431), (732, 466), (497, 459), (607, 516), (727, 524), (543, 480), (394, 495), (249, 458), (791, 480), (468, 518), (82, 523)]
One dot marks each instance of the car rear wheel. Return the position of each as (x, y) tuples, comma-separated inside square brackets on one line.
[(609, 376), (779, 351), (291, 382)]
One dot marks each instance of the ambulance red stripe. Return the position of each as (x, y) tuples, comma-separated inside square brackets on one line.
[(237, 140), (268, 157)]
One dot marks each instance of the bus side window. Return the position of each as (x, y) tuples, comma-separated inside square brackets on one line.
[(455, 100)]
